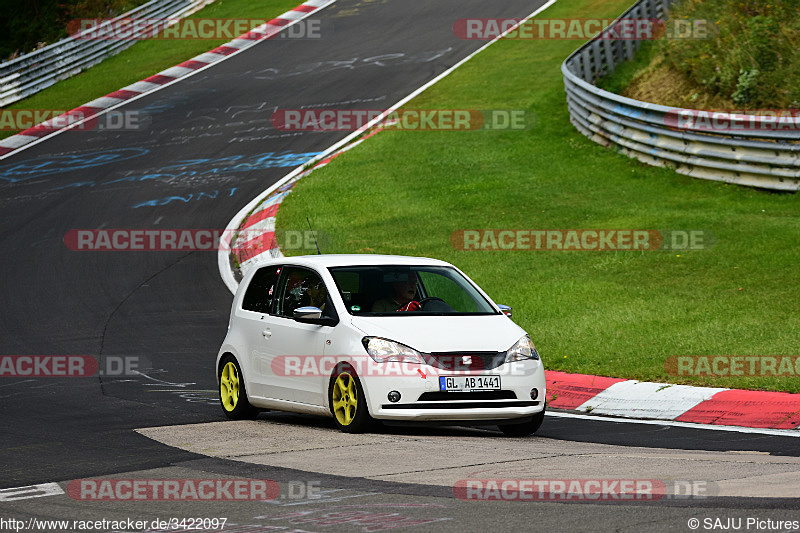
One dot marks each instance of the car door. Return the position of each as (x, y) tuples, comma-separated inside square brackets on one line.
[(256, 307), (301, 345)]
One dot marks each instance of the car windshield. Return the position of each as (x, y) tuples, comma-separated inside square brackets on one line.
[(400, 290)]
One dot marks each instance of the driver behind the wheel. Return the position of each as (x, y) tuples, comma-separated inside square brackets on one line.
[(405, 290), (317, 295)]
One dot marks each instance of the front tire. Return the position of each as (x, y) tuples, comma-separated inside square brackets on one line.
[(526, 429), (232, 392), (347, 401)]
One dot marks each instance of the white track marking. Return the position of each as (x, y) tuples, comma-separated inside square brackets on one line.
[(672, 423), (650, 400), (30, 491)]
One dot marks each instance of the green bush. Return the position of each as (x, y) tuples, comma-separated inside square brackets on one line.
[(751, 55), (30, 24)]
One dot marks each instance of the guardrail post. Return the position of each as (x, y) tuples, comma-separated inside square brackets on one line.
[(587, 67), (609, 54)]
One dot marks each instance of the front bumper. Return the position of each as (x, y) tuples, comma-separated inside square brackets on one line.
[(421, 399)]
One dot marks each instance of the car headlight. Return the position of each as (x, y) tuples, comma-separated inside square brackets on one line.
[(386, 351), (522, 350)]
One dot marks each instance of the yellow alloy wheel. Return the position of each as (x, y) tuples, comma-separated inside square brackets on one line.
[(229, 386), (345, 399)]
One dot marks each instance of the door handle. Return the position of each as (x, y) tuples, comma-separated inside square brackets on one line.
[(267, 333)]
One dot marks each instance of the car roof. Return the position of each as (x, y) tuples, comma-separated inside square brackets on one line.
[(339, 260)]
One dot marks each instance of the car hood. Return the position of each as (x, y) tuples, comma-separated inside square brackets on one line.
[(490, 333)]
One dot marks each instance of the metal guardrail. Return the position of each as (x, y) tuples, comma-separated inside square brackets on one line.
[(765, 158), (30, 73)]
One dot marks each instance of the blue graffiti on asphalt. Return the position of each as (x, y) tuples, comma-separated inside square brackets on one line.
[(185, 199), (127, 178), (26, 170), (240, 163), (227, 165)]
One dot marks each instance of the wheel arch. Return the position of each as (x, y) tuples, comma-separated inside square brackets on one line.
[(221, 359), (332, 379)]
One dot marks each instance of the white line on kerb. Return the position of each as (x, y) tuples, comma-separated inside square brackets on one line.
[(689, 425)]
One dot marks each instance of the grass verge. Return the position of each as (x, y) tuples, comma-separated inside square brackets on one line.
[(620, 313), (146, 58)]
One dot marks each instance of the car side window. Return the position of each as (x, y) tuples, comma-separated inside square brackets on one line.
[(262, 289), (300, 287)]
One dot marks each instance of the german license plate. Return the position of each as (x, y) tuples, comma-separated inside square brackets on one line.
[(468, 383)]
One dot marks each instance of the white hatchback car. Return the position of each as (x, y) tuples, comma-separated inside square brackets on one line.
[(363, 337)]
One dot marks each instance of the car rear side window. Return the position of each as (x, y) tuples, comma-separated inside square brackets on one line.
[(301, 288), (261, 291)]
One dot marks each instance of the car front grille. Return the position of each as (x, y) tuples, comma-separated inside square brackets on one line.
[(455, 361), (442, 396)]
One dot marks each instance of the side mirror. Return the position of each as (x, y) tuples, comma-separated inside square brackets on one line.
[(313, 315), (505, 309)]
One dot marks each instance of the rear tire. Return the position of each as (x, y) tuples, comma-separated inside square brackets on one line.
[(347, 401), (526, 429), (232, 392)]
